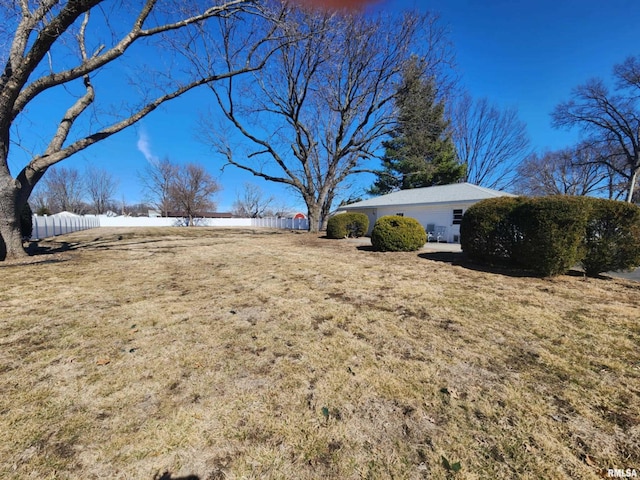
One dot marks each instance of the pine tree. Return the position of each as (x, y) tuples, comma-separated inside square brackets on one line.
[(420, 152)]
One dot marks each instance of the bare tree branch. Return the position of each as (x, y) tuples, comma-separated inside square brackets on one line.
[(100, 187), (609, 119), (575, 171), (490, 142), (252, 203)]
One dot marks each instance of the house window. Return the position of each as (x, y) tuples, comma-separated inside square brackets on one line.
[(457, 216)]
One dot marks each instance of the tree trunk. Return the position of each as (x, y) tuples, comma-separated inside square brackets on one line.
[(325, 221), (326, 209), (313, 214), (10, 236)]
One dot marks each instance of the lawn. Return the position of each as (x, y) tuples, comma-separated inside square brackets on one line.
[(229, 354)]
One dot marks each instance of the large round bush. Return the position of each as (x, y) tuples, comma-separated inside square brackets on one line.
[(347, 225), (397, 234), (612, 237)]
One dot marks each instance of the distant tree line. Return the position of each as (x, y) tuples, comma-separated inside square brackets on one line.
[(179, 190), (68, 189)]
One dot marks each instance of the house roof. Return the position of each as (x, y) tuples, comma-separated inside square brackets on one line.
[(454, 193)]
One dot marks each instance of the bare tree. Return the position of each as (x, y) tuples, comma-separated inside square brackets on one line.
[(252, 203), (38, 201), (317, 112), (101, 187), (156, 179), (64, 190), (280, 209), (572, 171), (135, 209), (40, 49), (489, 141), (609, 118), (191, 190)]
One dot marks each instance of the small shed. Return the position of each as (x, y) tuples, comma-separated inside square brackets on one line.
[(439, 209)]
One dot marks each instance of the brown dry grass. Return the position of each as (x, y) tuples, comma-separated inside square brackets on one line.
[(262, 354)]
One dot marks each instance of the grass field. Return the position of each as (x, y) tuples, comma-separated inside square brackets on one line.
[(169, 353)]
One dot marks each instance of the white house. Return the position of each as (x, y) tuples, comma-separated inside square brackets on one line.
[(439, 209)]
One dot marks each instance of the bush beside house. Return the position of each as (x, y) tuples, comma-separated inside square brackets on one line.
[(549, 235), (550, 230), (393, 233), (487, 232), (345, 225), (612, 237)]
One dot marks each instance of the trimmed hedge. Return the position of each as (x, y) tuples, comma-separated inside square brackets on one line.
[(487, 231), (347, 225), (393, 233), (612, 238), (549, 235), (551, 229)]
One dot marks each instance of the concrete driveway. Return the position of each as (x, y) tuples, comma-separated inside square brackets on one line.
[(634, 275)]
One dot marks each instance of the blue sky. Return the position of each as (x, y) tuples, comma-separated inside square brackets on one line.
[(523, 54)]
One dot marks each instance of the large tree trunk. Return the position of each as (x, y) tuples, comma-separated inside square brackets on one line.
[(313, 214), (10, 236), (326, 209)]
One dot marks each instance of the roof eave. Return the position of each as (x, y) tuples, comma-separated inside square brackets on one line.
[(421, 204)]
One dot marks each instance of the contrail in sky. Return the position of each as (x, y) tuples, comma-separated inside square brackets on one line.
[(144, 146)]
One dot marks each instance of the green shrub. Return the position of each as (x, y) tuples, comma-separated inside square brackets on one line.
[(552, 230), (347, 225), (26, 222), (487, 232), (397, 234), (612, 237), (540, 234)]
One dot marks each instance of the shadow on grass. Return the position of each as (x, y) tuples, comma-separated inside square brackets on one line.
[(130, 240), (168, 476), (460, 259), (110, 243)]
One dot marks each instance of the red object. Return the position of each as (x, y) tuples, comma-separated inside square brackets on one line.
[(299, 216)]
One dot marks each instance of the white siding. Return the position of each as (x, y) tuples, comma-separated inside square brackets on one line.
[(438, 215)]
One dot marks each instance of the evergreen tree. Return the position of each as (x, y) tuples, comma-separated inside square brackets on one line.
[(420, 152)]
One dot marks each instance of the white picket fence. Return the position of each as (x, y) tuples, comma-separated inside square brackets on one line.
[(50, 226)]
